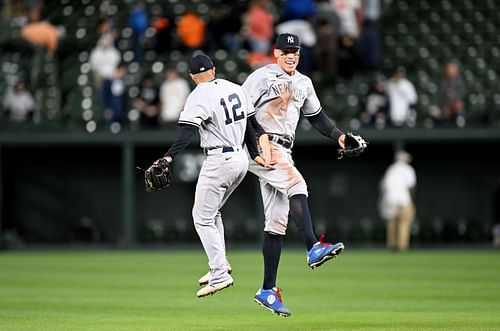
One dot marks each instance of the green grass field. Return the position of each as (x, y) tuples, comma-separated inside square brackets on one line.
[(155, 290)]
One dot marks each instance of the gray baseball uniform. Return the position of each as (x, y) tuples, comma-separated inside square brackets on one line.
[(278, 99), (219, 109)]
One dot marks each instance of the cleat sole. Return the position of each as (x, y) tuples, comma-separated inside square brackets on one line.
[(332, 255), (217, 290), (272, 310)]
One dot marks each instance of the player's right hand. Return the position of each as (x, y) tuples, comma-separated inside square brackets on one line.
[(260, 160), (265, 148)]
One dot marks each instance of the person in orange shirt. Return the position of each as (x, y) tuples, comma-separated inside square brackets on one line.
[(43, 34), (191, 30), (260, 25)]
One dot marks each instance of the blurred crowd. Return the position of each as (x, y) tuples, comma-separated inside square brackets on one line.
[(340, 38)]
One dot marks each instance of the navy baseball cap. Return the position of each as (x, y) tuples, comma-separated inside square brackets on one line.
[(200, 63), (287, 40)]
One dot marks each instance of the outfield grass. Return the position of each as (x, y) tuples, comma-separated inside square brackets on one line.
[(155, 290)]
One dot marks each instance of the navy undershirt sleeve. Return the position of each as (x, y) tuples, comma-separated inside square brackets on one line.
[(253, 131), (184, 136), (325, 126)]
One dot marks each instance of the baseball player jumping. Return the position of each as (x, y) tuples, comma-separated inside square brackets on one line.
[(279, 93), (221, 112)]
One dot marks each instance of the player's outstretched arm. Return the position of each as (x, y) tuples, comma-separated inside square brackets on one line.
[(159, 175), (184, 136), (327, 128)]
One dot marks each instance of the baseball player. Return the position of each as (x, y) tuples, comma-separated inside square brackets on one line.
[(220, 111), (279, 93)]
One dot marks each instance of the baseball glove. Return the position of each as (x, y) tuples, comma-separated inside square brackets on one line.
[(354, 145), (158, 176)]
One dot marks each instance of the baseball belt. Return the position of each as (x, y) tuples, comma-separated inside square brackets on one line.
[(286, 142), (224, 149)]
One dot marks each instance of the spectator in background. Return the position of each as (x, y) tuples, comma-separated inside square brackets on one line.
[(374, 106), (173, 94), (225, 26), (326, 50), (451, 95), (164, 29), (397, 201), (104, 59), (298, 10), (138, 22), (37, 39), (43, 35), (403, 98), (350, 14), (191, 30), (106, 25), (18, 104), (148, 103), (260, 27), (115, 117), (370, 45)]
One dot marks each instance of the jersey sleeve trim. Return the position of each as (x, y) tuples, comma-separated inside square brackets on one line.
[(188, 122), (315, 113)]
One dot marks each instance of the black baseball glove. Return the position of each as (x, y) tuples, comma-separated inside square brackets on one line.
[(354, 145), (158, 176)]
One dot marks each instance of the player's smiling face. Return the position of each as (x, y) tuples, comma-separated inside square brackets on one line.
[(287, 59)]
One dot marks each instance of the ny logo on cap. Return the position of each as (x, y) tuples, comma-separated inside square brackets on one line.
[(290, 39)]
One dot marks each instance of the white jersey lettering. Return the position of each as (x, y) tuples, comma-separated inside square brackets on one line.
[(279, 98)]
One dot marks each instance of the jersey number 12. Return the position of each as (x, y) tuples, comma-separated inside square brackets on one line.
[(235, 103)]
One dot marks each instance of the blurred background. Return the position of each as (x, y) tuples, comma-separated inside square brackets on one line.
[(91, 89)]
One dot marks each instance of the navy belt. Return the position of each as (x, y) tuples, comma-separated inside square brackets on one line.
[(283, 142), (224, 149)]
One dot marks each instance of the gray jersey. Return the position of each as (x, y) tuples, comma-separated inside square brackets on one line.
[(219, 109), (278, 98)]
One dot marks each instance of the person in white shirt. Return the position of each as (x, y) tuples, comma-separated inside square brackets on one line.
[(403, 97), (19, 104), (397, 196), (173, 94), (104, 59), (350, 14)]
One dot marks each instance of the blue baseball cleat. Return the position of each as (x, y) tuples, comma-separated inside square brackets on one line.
[(322, 252), (271, 299)]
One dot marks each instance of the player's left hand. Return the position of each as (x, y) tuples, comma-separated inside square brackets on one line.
[(354, 145), (159, 175), (341, 141)]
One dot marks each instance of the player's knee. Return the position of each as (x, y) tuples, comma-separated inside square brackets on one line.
[(299, 188), (199, 220)]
